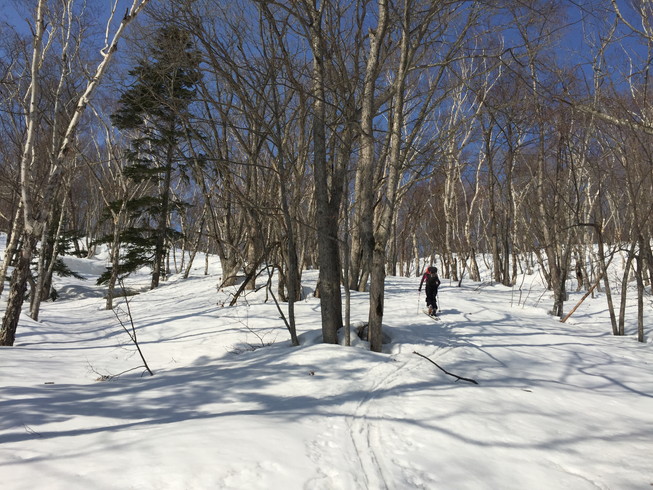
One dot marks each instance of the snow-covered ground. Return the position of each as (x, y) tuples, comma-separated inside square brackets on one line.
[(232, 405)]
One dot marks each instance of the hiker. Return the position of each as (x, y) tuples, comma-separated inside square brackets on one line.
[(432, 284)]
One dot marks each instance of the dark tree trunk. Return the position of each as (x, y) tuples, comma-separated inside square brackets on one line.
[(159, 269), (327, 197), (17, 292), (377, 294), (639, 274)]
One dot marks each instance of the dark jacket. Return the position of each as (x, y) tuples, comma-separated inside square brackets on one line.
[(431, 279)]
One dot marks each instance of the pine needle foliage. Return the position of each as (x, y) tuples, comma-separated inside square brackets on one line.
[(154, 113)]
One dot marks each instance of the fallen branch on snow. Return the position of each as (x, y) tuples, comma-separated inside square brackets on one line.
[(444, 370)]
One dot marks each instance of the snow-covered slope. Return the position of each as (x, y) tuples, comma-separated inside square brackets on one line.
[(233, 405)]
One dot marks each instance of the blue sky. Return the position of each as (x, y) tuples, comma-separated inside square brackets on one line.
[(10, 15)]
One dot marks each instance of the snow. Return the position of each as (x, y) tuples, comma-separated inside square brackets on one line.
[(233, 406)]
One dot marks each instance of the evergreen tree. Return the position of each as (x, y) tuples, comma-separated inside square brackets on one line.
[(155, 111)]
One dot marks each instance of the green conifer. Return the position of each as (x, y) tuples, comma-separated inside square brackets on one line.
[(154, 112)]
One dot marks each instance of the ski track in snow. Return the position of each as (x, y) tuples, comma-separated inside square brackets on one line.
[(362, 437), (372, 434), (379, 447), (366, 437)]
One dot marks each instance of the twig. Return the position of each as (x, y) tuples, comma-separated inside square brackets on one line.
[(109, 377), (291, 328), (29, 430), (132, 333), (445, 371)]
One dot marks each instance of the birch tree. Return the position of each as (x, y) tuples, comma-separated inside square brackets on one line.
[(419, 24), (36, 219)]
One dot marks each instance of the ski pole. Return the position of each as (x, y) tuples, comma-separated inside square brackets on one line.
[(419, 293)]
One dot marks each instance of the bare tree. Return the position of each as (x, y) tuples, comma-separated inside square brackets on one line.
[(36, 220), (418, 24)]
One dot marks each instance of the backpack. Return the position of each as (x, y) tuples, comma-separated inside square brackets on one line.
[(431, 277)]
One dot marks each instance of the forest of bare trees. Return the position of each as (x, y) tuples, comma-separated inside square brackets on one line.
[(356, 137)]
